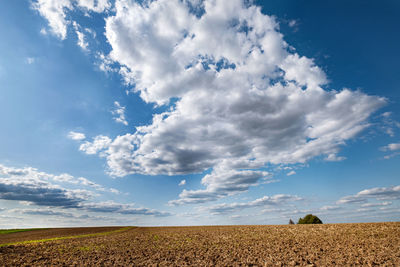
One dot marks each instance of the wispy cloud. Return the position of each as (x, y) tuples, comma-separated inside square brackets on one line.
[(43, 212), (378, 193), (292, 23), (76, 136), (81, 37), (388, 124), (379, 204), (275, 200), (30, 60), (119, 113), (127, 209), (391, 147), (291, 173), (330, 208)]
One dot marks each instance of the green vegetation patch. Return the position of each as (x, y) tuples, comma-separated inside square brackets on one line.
[(310, 219), (9, 231), (66, 237)]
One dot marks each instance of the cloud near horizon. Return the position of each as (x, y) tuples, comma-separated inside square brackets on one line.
[(32, 187), (239, 99), (377, 193), (276, 200)]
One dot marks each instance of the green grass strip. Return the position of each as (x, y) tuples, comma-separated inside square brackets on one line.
[(66, 237), (10, 231)]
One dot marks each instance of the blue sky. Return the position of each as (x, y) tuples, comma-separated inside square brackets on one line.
[(198, 112)]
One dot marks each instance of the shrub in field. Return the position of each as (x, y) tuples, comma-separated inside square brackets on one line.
[(310, 219), (291, 222)]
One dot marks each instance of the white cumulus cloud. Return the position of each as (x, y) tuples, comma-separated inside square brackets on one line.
[(99, 143), (242, 100)]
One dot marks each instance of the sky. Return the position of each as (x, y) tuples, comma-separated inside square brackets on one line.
[(198, 112)]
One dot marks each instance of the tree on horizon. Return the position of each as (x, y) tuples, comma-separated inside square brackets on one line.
[(309, 219)]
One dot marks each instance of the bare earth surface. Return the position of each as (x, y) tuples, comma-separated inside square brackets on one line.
[(372, 244), (50, 233)]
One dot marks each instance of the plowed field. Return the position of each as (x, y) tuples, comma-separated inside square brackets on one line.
[(286, 245), (51, 233)]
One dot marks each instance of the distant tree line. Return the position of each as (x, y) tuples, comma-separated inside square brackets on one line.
[(308, 219)]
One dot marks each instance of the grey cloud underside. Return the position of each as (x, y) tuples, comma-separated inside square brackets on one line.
[(42, 194), (220, 184), (243, 100), (45, 194), (30, 176), (41, 189)]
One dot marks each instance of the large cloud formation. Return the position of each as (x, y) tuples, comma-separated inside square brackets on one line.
[(43, 189), (241, 100)]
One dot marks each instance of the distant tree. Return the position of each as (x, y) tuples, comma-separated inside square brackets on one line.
[(291, 222), (310, 219)]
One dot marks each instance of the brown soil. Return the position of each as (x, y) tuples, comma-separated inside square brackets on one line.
[(50, 233), (372, 244)]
